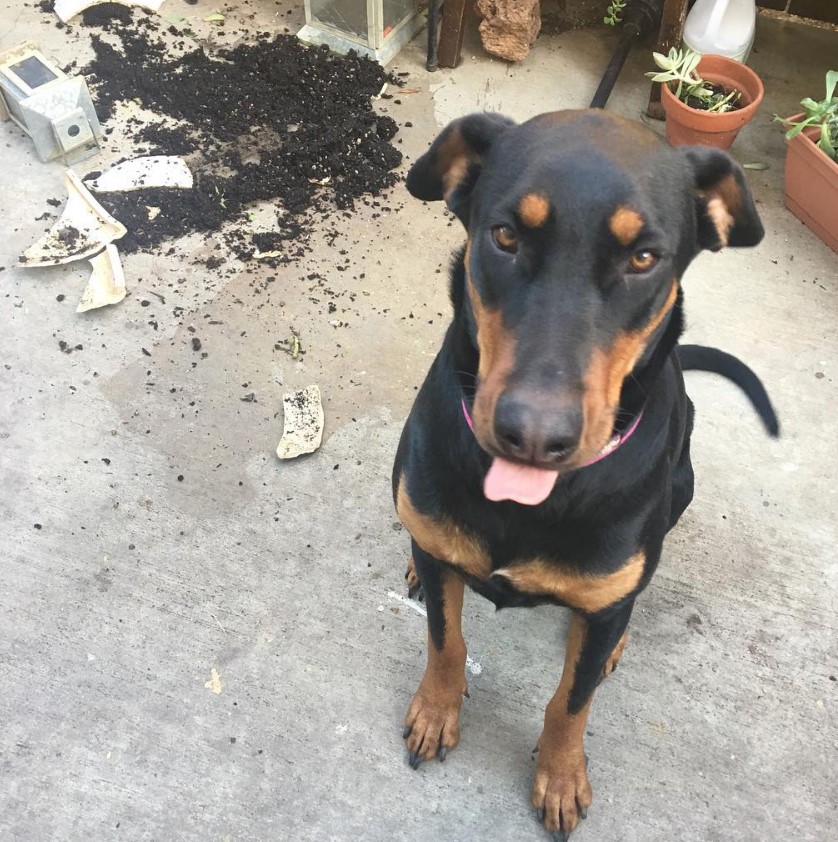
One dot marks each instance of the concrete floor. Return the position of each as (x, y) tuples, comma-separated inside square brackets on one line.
[(228, 657)]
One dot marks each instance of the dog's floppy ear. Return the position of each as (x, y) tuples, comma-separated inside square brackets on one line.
[(450, 168), (725, 207)]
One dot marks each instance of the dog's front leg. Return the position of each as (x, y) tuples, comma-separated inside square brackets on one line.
[(561, 793), (432, 724)]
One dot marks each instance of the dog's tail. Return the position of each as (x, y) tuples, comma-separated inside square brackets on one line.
[(702, 358)]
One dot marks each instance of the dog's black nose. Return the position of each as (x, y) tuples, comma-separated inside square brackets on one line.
[(536, 429)]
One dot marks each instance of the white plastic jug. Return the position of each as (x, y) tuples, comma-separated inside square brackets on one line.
[(722, 27)]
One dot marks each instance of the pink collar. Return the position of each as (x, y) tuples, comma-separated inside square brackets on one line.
[(613, 443)]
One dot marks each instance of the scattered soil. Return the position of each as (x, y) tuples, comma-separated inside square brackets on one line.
[(165, 140), (271, 120), (107, 16), (70, 236), (181, 211)]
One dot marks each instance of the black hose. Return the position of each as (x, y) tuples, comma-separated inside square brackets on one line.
[(640, 17), (609, 78)]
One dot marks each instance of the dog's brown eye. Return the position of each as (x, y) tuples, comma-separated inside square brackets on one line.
[(505, 238), (642, 261)]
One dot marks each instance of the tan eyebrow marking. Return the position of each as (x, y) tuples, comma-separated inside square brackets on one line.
[(533, 210), (625, 224)]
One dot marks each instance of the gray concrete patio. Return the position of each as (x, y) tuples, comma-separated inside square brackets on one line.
[(229, 657)]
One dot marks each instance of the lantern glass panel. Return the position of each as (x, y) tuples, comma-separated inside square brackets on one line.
[(33, 71), (377, 29), (344, 15), (395, 11)]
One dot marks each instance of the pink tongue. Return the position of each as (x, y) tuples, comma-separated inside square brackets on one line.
[(508, 481)]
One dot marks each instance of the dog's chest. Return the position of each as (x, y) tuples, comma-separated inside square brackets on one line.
[(513, 572)]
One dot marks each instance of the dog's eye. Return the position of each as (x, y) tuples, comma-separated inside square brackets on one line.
[(505, 238), (642, 261)]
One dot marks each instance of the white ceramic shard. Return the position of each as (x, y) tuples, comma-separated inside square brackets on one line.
[(66, 9), (107, 281), (83, 229), (302, 423), (142, 173)]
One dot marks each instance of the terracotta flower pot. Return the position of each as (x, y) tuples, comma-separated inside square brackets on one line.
[(687, 126), (812, 186)]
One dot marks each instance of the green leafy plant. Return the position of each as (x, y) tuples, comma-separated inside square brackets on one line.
[(614, 12), (823, 114), (678, 70)]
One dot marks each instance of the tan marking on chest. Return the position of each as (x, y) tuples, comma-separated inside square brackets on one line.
[(443, 539), (587, 593)]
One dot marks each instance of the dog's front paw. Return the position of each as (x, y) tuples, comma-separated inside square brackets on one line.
[(614, 657), (414, 586), (561, 793), (432, 724)]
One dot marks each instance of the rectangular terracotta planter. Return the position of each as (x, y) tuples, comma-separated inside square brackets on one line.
[(812, 187)]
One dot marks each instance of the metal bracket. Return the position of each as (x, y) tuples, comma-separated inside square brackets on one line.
[(75, 136)]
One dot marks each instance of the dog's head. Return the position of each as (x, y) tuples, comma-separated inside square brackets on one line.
[(580, 225)]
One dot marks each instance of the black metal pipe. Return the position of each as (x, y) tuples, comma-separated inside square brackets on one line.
[(640, 17), (609, 78)]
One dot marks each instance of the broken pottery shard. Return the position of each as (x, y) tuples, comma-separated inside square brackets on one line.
[(107, 281), (302, 424), (143, 173), (84, 228), (66, 9), (214, 682), (509, 27)]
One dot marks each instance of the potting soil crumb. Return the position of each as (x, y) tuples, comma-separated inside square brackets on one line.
[(271, 120)]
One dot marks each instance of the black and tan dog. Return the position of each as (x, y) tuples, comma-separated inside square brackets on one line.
[(547, 454)]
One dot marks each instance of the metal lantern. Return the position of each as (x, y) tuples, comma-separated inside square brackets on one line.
[(374, 28), (54, 109)]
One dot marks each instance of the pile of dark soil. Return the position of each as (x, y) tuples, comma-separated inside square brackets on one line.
[(165, 140), (270, 120), (107, 15)]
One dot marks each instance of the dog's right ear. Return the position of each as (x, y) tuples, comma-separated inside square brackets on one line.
[(450, 168), (727, 215)]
